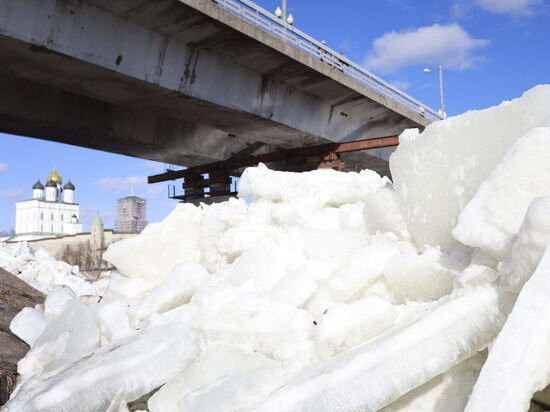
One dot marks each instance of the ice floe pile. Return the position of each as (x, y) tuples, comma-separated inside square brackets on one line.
[(44, 273), (330, 291)]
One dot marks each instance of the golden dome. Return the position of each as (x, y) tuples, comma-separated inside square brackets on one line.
[(55, 177)]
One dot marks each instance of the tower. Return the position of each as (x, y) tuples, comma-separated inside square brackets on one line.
[(38, 190), (68, 192), (51, 191), (58, 180), (98, 237), (131, 214)]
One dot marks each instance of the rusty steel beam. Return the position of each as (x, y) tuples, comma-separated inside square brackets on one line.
[(304, 167), (186, 198), (300, 152), (207, 182)]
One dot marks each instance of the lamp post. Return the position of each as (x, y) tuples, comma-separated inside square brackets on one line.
[(441, 100), (283, 13)]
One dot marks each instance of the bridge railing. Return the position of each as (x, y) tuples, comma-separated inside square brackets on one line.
[(267, 21)]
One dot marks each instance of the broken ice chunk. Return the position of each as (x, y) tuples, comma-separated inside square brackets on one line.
[(73, 334), (373, 375), (258, 269), (113, 321), (294, 288), (475, 275), (383, 212), (362, 268), (56, 300), (351, 217), (328, 250), (153, 254), (129, 368), (414, 277), (532, 241), (519, 360), (228, 314), (447, 392), (344, 326), (492, 218), (320, 187), (230, 394), (175, 290), (28, 325), (217, 361), (438, 172)]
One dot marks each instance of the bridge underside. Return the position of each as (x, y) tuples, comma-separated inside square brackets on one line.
[(182, 82)]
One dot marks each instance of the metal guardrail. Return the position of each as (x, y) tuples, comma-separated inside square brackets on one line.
[(267, 21)]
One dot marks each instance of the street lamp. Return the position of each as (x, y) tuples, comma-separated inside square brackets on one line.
[(441, 101), (282, 13)]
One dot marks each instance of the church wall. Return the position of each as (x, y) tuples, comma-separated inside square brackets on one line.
[(54, 246), (39, 216)]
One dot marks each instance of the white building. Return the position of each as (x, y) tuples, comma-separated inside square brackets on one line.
[(50, 213)]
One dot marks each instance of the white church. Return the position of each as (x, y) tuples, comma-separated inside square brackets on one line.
[(51, 212)]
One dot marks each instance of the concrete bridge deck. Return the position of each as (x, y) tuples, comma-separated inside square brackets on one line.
[(177, 81)]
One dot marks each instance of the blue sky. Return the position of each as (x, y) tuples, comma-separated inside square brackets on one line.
[(492, 50)]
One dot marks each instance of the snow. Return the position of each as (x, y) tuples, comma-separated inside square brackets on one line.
[(519, 361), (325, 291)]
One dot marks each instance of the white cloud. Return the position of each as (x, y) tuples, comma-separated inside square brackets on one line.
[(514, 7), (11, 193), (121, 184), (3, 167), (449, 45)]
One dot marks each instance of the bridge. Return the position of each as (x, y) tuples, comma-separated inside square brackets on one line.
[(184, 81)]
